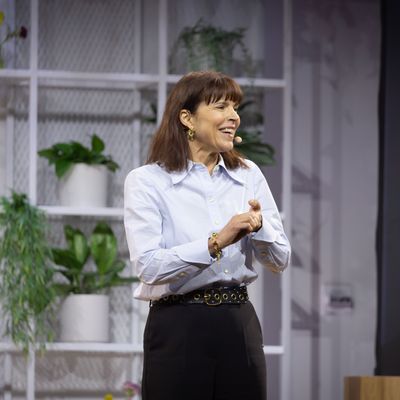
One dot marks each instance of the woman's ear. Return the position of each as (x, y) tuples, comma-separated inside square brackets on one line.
[(185, 117)]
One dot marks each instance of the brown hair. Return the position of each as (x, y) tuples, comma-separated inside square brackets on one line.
[(169, 146)]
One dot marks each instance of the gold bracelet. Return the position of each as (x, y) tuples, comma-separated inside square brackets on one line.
[(215, 244)]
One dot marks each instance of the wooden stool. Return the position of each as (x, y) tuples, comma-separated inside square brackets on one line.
[(372, 388)]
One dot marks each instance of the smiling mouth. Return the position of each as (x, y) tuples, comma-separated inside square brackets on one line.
[(228, 132)]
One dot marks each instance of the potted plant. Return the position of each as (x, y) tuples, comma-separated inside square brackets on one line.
[(26, 292), (250, 131), (84, 311), (210, 48), (82, 172)]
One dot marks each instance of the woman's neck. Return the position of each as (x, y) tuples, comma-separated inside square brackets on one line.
[(210, 160)]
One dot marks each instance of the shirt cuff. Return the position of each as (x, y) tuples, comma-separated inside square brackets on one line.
[(266, 233), (195, 252)]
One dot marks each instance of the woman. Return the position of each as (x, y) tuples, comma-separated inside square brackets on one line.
[(193, 217)]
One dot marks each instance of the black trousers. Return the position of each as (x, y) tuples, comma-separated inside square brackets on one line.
[(200, 352)]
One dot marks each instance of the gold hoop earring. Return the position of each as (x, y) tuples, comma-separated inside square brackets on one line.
[(190, 134)]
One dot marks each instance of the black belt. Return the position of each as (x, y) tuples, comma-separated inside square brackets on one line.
[(213, 296)]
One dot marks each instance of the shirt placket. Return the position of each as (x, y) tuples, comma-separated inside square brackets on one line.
[(215, 209)]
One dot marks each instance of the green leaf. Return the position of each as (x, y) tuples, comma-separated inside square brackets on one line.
[(50, 154), (103, 246), (79, 153), (62, 167), (97, 144), (77, 244), (62, 289), (66, 258)]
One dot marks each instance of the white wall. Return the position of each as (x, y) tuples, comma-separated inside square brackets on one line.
[(335, 143)]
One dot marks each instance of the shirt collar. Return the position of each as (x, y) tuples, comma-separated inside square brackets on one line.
[(178, 176), (232, 173)]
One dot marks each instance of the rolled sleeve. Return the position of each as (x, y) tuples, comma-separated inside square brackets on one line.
[(270, 244), (153, 263), (195, 252)]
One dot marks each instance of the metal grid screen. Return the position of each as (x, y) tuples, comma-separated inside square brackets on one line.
[(78, 35)]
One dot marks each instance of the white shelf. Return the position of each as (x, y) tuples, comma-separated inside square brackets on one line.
[(81, 347), (15, 74), (10, 77), (256, 82), (84, 211), (122, 81), (126, 348)]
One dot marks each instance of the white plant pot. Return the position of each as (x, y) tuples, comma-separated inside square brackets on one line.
[(85, 318), (84, 186)]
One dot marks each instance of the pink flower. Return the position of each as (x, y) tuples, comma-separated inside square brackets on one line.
[(23, 32), (131, 389)]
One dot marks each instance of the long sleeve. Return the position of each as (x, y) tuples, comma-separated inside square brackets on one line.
[(154, 263), (270, 243)]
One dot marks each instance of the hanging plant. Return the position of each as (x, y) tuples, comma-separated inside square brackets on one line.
[(211, 48), (26, 292)]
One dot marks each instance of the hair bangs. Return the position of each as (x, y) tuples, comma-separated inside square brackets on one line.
[(222, 87)]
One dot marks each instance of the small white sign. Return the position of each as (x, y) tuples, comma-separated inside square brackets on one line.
[(337, 299)]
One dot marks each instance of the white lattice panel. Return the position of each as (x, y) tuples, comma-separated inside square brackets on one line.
[(2, 372), (20, 137), (22, 18), (72, 114), (95, 36), (76, 372)]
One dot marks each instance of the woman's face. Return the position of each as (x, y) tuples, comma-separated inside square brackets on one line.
[(215, 125)]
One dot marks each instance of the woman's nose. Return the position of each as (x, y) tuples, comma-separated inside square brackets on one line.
[(233, 115)]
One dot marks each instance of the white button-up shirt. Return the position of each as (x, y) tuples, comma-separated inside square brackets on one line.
[(169, 217)]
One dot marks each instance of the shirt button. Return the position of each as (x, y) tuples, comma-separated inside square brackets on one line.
[(226, 271), (216, 222), (182, 274), (211, 199)]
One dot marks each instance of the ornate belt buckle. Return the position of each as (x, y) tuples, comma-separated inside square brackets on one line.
[(212, 297)]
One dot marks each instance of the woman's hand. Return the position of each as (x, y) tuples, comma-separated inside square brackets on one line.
[(241, 225)]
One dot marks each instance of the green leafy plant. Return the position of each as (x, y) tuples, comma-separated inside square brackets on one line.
[(252, 145), (65, 155), (26, 292), (253, 148), (73, 261), (209, 47), (20, 32)]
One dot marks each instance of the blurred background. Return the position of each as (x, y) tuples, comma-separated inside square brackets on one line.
[(310, 73)]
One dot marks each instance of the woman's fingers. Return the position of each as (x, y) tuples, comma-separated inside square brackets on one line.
[(255, 205), (240, 225)]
